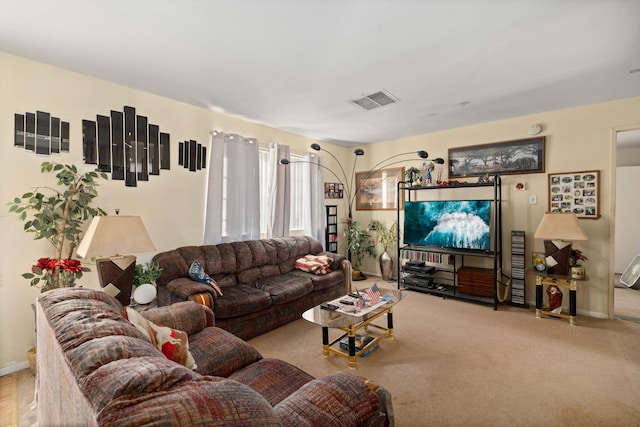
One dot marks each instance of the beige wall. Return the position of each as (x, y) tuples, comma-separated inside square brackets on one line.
[(577, 139), (172, 204)]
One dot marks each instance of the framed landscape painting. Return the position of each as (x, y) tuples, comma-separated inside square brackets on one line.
[(498, 158), (379, 190)]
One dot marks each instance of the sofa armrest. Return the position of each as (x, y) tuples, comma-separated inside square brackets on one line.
[(184, 288), (339, 398), (340, 263), (187, 316)]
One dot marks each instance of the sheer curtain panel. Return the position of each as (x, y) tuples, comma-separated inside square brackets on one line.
[(233, 194), (315, 218), (278, 203)]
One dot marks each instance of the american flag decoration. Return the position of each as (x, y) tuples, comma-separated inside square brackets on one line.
[(359, 299), (374, 294)]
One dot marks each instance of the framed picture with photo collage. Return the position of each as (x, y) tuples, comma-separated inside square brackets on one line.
[(577, 192)]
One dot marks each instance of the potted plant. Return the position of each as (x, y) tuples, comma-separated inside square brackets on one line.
[(577, 270), (386, 237), (146, 273), (58, 214), (359, 244)]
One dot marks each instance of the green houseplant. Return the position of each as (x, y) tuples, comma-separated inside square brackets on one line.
[(359, 244), (58, 214), (146, 273)]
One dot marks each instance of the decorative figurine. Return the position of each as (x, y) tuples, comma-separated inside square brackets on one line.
[(555, 299), (428, 168)]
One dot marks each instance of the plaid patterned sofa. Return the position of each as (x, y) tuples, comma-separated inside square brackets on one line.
[(261, 287), (96, 368)]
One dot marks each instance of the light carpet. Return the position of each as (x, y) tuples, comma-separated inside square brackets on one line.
[(456, 363)]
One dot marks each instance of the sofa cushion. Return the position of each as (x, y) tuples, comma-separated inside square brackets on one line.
[(187, 316), (272, 378), (323, 281), (173, 343), (285, 288), (240, 300), (204, 402), (133, 377), (220, 353), (197, 273), (338, 399), (91, 355)]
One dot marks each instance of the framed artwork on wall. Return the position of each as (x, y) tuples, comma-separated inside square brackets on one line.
[(333, 190), (577, 192), (498, 158), (379, 190)]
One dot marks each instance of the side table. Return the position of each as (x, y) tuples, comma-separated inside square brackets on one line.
[(566, 282)]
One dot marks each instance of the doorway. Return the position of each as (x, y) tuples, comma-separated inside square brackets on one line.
[(627, 239)]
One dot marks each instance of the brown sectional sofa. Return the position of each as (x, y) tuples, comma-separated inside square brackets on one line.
[(262, 289), (96, 368)]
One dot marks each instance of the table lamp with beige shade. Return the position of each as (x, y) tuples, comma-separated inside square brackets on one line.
[(112, 240), (558, 230)]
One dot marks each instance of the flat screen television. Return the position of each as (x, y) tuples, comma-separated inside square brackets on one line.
[(458, 224)]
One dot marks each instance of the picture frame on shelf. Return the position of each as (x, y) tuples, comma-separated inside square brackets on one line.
[(378, 190), (577, 192), (498, 158)]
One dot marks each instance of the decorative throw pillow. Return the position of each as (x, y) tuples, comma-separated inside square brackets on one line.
[(197, 273), (316, 264), (174, 344)]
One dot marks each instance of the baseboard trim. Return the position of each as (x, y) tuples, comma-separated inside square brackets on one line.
[(12, 369)]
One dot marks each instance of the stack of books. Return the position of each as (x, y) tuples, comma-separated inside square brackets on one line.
[(361, 342)]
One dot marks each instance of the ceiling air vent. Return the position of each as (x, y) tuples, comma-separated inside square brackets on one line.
[(375, 100)]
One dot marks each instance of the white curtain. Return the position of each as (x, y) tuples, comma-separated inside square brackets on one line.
[(315, 220), (279, 200), (233, 195)]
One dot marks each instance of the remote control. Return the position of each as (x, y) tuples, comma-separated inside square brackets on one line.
[(346, 302), (328, 306)]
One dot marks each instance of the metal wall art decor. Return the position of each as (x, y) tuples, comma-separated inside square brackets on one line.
[(192, 155), (126, 145), (499, 158), (378, 190), (41, 133), (577, 192), (333, 190)]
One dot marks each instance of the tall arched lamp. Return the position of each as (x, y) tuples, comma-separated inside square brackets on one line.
[(106, 238)]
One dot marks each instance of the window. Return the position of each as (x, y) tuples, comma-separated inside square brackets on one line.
[(296, 170)]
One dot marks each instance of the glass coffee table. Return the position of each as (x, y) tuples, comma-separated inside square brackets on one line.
[(349, 318)]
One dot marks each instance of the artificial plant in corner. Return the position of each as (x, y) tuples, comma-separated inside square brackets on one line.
[(57, 214), (359, 244)]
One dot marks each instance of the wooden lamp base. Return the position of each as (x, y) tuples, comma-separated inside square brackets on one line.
[(116, 276)]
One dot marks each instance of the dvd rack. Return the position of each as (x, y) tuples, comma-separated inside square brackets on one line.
[(421, 271), (517, 268), (331, 234)]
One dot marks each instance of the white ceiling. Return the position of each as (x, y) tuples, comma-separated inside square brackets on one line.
[(296, 64)]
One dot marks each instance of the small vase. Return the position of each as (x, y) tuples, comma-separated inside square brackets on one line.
[(386, 265)]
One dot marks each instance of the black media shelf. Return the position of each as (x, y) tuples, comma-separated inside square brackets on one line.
[(445, 281)]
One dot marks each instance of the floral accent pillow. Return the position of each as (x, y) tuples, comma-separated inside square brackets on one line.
[(197, 273), (174, 344)]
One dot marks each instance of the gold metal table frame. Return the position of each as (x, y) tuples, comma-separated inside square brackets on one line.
[(566, 282), (350, 324)]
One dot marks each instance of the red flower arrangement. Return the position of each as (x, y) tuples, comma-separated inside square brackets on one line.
[(69, 270)]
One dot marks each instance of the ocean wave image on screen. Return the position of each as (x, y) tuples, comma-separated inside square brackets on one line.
[(460, 224)]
